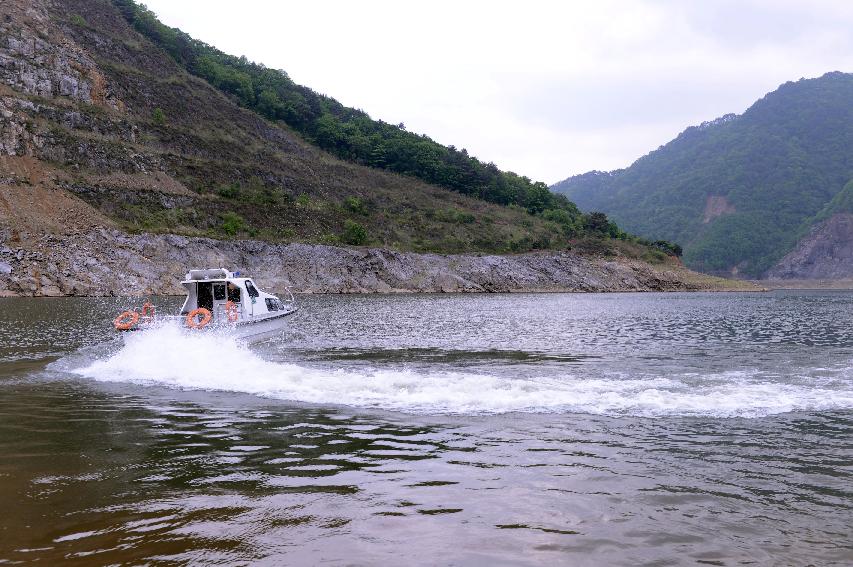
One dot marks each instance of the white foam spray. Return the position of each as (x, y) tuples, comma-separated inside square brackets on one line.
[(172, 357)]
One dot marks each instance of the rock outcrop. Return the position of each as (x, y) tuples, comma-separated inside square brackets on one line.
[(825, 253), (109, 262), (36, 62)]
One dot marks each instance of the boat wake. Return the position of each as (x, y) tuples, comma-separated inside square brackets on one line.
[(174, 358)]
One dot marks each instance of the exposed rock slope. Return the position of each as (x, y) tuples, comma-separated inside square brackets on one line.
[(825, 253), (109, 262)]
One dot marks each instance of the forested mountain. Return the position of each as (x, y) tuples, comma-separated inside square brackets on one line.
[(740, 191)]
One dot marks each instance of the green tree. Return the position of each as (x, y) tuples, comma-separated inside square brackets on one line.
[(269, 104), (596, 222)]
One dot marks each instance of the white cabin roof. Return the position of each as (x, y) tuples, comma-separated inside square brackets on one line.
[(218, 275), (210, 274)]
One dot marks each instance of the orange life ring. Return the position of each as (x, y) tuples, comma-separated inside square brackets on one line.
[(148, 310), (206, 316), (126, 320), (232, 311)]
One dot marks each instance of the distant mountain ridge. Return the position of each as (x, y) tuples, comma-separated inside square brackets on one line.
[(739, 192)]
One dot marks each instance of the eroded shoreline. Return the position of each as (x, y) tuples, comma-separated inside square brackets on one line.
[(103, 262)]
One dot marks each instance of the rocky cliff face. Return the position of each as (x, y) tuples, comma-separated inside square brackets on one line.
[(825, 253), (37, 59), (109, 262)]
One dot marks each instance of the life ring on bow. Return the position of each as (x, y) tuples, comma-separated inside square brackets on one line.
[(147, 310), (126, 320), (206, 316), (232, 311)]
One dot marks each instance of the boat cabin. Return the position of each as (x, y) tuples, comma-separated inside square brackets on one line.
[(213, 288)]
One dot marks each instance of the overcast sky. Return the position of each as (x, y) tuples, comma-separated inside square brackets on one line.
[(545, 89)]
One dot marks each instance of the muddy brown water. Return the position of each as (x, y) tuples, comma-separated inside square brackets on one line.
[(628, 429)]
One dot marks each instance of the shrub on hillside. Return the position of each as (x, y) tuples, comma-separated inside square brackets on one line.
[(158, 117), (355, 205), (232, 223), (354, 233), (229, 191)]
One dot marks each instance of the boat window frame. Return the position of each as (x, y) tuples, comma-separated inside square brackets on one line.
[(252, 290)]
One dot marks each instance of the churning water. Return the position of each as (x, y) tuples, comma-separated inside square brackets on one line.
[(518, 429)]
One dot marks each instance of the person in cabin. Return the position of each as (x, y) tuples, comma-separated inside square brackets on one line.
[(233, 293)]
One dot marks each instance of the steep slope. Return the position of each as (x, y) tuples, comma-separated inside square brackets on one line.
[(346, 132), (740, 191), (111, 118), (105, 139), (826, 252)]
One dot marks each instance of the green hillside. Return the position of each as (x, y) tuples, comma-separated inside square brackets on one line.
[(841, 203), (151, 146), (346, 132), (397, 189), (739, 191)]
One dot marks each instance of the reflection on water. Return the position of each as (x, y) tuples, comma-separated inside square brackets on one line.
[(209, 478), (438, 356), (106, 472)]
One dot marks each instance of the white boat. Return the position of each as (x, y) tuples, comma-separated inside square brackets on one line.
[(219, 299)]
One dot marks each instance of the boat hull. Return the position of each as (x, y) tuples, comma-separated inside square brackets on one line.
[(249, 330), (260, 328)]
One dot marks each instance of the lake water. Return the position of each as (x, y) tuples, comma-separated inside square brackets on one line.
[(624, 429)]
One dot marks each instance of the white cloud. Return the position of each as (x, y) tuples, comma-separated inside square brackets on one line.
[(546, 89)]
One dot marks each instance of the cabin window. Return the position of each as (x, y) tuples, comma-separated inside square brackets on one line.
[(272, 304), (219, 291), (204, 293), (233, 293), (251, 289)]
